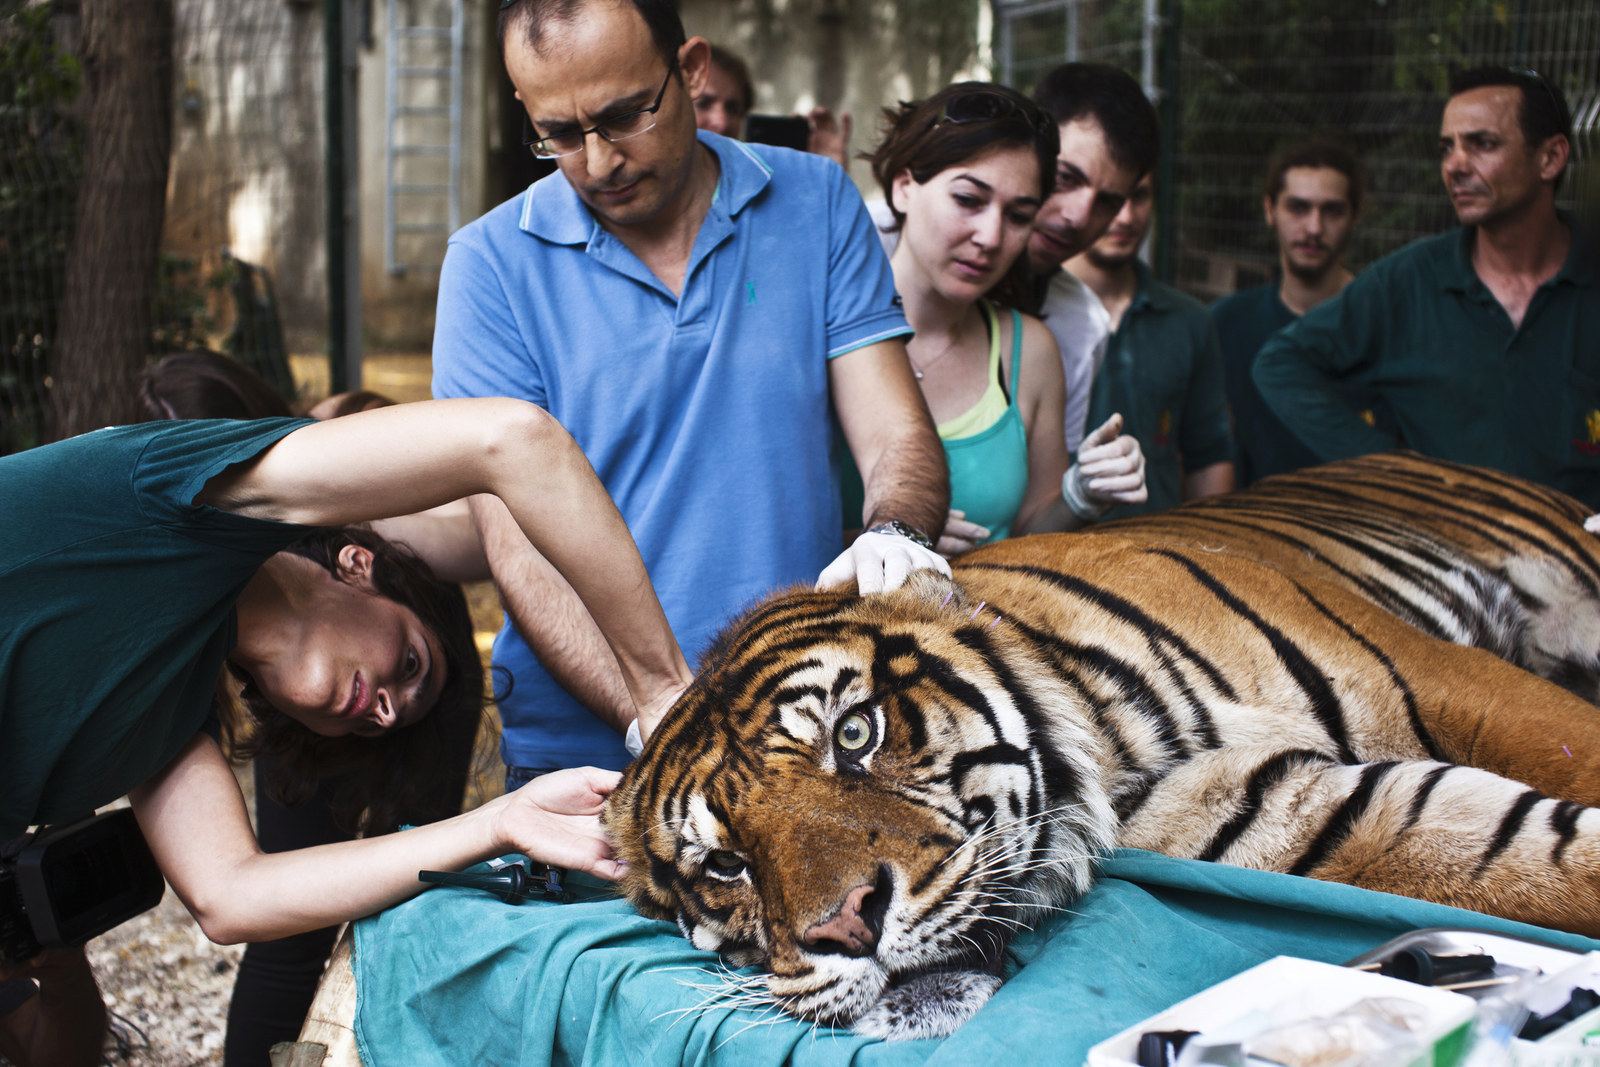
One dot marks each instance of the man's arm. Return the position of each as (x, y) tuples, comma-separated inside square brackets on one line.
[(444, 537), (551, 618), (1299, 369), (890, 433), (1209, 480), (1206, 441)]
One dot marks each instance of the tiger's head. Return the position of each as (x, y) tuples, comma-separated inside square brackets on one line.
[(861, 796)]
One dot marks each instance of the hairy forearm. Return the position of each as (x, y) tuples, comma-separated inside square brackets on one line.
[(909, 482), (566, 514), (551, 618)]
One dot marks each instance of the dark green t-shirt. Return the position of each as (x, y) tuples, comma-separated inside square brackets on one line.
[(1243, 322), (1421, 330), (1164, 373), (1265, 446), (116, 606)]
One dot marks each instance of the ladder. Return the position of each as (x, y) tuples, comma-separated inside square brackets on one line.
[(422, 145)]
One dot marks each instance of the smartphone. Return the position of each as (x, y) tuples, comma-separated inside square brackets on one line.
[(786, 131)]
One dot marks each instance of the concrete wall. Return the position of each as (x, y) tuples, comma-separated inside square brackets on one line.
[(852, 55), (398, 306), (247, 167)]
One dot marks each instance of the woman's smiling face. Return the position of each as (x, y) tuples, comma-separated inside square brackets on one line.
[(966, 225), (353, 662)]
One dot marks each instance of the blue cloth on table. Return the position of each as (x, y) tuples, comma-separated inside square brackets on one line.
[(456, 976)]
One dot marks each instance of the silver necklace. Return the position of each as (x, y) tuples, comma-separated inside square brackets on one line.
[(920, 371)]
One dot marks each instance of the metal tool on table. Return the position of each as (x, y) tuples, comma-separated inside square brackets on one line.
[(511, 882)]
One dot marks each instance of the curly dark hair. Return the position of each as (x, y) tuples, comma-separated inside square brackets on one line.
[(918, 139), (1319, 152), (415, 774)]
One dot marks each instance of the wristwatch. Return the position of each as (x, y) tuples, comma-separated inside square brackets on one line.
[(904, 529)]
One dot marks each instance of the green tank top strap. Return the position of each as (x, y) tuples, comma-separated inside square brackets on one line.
[(1016, 352)]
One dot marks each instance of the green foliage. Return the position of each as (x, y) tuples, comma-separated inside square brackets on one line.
[(39, 174), (183, 300)]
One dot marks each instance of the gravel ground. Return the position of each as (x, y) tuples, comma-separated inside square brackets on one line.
[(161, 974)]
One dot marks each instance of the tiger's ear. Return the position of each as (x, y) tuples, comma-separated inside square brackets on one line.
[(934, 588)]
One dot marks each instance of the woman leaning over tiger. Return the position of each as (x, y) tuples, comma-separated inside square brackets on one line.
[(963, 175), (141, 561)]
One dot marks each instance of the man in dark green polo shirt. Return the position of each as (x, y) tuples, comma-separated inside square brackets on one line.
[(1162, 368), (1311, 199), (1484, 342)]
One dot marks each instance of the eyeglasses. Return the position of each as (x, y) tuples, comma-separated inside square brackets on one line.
[(984, 106), (620, 128)]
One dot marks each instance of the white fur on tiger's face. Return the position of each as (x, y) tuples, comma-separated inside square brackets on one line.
[(867, 796)]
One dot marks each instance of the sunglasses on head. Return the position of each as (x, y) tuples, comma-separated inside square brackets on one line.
[(1534, 77), (983, 105)]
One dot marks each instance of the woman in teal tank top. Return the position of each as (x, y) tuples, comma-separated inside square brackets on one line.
[(963, 174)]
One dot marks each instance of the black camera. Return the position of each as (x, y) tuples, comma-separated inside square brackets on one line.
[(64, 885)]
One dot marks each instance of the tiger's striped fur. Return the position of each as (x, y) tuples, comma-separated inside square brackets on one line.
[(865, 795)]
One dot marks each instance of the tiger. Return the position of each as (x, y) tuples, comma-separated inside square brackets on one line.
[(1368, 673)]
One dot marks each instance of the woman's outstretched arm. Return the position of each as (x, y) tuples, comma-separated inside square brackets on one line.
[(194, 818), (404, 459)]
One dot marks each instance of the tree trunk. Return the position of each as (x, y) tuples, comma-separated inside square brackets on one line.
[(111, 266)]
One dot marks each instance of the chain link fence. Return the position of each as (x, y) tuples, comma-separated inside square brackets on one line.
[(241, 261), (222, 193), (42, 128), (1254, 76)]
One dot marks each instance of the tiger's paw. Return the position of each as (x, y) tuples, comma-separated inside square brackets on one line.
[(928, 1005)]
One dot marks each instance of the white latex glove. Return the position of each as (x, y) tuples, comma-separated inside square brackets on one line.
[(1109, 470), (960, 535), (880, 562)]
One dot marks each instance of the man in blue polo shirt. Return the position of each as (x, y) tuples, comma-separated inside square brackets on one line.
[(1481, 342), (687, 306)]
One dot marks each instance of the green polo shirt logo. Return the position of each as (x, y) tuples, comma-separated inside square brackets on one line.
[(1591, 423)]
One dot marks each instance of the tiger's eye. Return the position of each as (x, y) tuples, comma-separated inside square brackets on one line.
[(853, 732), (725, 863)]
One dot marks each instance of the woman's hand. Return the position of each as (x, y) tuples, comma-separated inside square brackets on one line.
[(960, 535), (555, 819), (1109, 470)]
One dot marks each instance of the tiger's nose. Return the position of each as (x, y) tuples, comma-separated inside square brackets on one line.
[(854, 929)]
